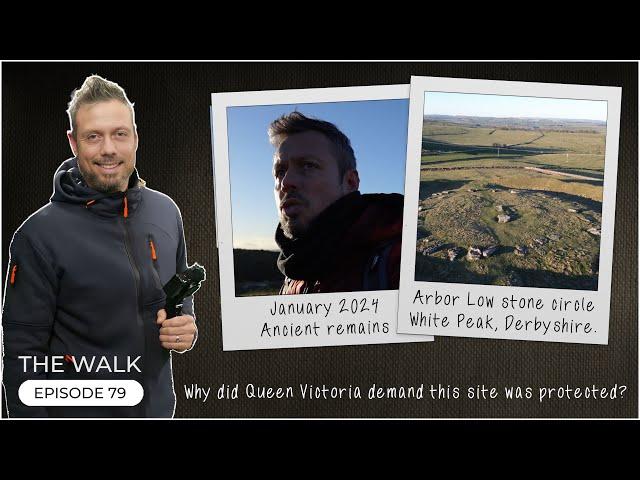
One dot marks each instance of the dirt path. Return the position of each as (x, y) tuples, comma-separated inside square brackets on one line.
[(535, 169), (555, 172)]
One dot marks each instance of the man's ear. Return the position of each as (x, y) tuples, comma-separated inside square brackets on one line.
[(72, 143), (351, 181)]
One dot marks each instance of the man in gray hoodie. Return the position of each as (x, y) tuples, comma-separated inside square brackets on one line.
[(84, 298)]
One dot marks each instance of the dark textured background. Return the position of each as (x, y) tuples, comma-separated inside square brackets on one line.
[(172, 112)]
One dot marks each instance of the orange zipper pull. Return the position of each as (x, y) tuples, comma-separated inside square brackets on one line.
[(13, 274), (125, 214), (153, 250)]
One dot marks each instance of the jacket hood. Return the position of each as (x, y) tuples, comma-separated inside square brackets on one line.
[(379, 222), (350, 227), (70, 187)]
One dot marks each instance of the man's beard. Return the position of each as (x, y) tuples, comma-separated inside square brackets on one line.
[(112, 185), (291, 228)]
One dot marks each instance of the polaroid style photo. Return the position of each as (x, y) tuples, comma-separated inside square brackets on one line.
[(309, 198), (509, 210)]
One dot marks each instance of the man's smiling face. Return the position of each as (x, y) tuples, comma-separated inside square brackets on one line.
[(105, 144)]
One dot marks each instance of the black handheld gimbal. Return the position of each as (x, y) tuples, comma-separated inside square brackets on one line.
[(181, 286)]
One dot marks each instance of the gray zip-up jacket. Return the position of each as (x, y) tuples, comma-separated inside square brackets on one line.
[(85, 279)]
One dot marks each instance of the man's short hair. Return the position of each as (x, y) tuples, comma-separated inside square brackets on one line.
[(296, 122), (96, 89)]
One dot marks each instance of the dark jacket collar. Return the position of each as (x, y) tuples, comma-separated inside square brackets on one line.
[(350, 227), (70, 187)]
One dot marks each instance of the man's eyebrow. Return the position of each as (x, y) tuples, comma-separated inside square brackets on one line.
[(99, 130), (304, 157)]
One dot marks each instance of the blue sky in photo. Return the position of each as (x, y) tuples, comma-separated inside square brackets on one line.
[(477, 105), (378, 133)]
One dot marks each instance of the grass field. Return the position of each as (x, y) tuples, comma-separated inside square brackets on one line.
[(469, 172)]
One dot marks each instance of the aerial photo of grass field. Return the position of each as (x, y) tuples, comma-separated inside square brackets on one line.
[(508, 200)]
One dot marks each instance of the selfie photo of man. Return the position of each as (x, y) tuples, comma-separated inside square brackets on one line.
[(338, 197)]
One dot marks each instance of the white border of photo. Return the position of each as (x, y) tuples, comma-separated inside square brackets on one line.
[(243, 318), (419, 314)]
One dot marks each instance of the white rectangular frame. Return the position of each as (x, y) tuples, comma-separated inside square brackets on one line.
[(244, 317), (598, 317)]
